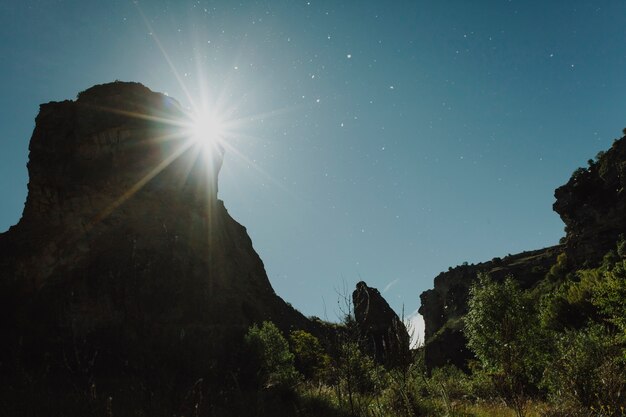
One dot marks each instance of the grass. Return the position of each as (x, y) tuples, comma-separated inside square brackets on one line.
[(535, 409)]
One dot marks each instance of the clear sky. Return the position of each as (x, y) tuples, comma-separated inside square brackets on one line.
[(381, 141)]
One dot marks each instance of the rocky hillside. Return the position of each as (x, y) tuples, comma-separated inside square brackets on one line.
[(593, 207), (125, 262)]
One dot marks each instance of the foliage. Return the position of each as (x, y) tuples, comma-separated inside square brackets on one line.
[(356, 371), (480, 387), (609, 295), (569, 305), (577, 174), (585, 371), (310, 358), (559, 270), (450, 384), (502, 331), (584, 296), (271, 351), (555, 312), (561, 342), (407, 388)]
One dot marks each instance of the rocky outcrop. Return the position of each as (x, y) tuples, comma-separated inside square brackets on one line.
[(382, 333), (125, 262), (593, 207)]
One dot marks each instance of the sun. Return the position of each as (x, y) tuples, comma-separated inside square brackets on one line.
[(206, 131)]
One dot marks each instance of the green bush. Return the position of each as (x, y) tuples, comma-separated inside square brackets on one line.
[(271, 352), (502, 330), (310, 358), (586, 371), (406, 389), (357, 372), (559, 270), (450, 385), (610, 296), (569, 306)]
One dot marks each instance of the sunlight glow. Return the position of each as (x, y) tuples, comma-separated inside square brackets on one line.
[(207, 131)]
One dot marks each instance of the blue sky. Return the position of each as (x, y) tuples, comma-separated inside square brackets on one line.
[(381, 141)]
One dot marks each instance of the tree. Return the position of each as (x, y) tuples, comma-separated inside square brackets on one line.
[(310, 358), (271, 351), (502, 330)]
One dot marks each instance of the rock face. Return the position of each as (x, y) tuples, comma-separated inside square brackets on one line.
[(593, 207), (383, 334), (124, 259)]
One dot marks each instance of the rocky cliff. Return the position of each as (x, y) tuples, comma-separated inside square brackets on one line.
[(125, 263), (593, 207), (383, 334)]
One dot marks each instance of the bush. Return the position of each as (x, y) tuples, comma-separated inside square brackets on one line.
[(585, 371), (310, 358), (270, 351), (407, 388), (559, 270), (450, 385), (610, 296), (357, 372), (357, 380), (502, 330)]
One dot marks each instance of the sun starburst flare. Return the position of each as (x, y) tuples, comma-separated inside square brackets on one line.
[(207, 131), (204, 132)]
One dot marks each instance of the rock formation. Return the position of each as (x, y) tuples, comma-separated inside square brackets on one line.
[(383, 334), (125, 264), (593, 207)]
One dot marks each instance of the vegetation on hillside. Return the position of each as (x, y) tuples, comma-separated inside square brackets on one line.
[(557, 349)]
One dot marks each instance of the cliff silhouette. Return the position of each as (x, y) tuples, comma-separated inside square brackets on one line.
[(125, 268)]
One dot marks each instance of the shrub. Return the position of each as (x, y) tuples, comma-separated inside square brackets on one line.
[(610, 296), (270, 351), (450, 385), (502, 330), (310, 358), (559, 270), (357, 372), (585, 371), (357, 380), (407, 388)]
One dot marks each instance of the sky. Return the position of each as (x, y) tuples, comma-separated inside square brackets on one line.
[(376, 141)]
